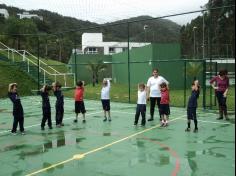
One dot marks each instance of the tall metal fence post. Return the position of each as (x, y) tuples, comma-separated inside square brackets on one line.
[(216, 70), (75, 62), (185, 81), (38, 65), (129, 59), (204, 85), (210, 55)]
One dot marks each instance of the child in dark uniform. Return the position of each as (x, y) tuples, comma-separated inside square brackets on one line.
[(59, 103), (192, 106), (18, 112), (164, 104), (46, 107)]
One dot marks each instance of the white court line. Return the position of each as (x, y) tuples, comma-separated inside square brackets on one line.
[(7, 131), (205, 121)]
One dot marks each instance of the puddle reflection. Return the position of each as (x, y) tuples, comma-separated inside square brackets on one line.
[(33, 150)]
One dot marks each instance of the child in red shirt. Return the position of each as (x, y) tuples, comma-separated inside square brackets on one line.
[(79, 100), (164, 104)]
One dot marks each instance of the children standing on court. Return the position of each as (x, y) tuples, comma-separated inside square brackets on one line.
[(79, 101), (18, 112), (164, 104), (105, 98), (59, 103), (46, 107), (192, 106), (141, 104)]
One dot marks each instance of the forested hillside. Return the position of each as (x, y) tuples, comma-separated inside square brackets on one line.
[(59, 45)]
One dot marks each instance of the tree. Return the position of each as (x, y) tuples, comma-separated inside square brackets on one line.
[(96, 68), (194, 69), (14, 30), (219, 30)]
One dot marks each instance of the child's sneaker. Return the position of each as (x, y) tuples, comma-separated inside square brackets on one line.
[(109, 120), (105, 119), (195, 130), (166, 124), (22, 133), (42, 128), (162, 123), (13, 133), (135, 124), (187, 130), (84, 121), (75, 121), (227, 119)]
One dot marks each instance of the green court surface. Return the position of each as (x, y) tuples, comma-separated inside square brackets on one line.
[(115, 148)]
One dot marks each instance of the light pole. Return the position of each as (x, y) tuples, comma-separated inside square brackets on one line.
[(145, 27), (194, 40), (203, 32)]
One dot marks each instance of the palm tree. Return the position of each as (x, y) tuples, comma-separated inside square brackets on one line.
[(96, 68), (194, 69)]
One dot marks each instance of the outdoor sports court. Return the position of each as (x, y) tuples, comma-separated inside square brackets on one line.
[(117, 148)]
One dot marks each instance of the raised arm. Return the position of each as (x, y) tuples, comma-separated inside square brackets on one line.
[(196, 85), (167, 83), (108, 83)]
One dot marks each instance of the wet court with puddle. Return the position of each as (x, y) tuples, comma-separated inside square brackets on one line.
[(116, 148)]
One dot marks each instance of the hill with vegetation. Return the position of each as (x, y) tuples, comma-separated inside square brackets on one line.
[(219, 31), (59, 45), (15, 75)]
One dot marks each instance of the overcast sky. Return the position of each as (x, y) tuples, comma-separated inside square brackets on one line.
[(101, 11)]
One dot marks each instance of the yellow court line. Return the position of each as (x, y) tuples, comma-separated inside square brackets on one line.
[(80, 156)]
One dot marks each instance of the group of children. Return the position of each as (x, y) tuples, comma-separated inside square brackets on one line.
[(164, 108), (18, 112)]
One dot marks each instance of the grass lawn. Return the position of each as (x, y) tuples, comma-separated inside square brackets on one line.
[(119, 93), (7, 75)]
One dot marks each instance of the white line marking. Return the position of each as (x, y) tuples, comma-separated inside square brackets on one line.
[(7, 131), (205, 121)]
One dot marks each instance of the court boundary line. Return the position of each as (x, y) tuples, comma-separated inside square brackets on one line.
[(171, 151), (207, 121), (65, 119), (80, 156)]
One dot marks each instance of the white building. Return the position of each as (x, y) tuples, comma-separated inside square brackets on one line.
[(4, 13), (28, 15), (92, 43)]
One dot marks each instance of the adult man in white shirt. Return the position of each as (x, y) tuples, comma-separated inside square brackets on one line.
[(153, 92)]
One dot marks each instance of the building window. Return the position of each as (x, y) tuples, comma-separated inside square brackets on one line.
[(111, 50), (92, 51), (124, 49)]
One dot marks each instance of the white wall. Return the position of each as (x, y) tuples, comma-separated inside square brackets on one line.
[(5, 13), (27, 15), (95, 40)]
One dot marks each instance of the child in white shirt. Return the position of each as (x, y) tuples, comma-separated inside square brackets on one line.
[(141, 104), (105, 98)]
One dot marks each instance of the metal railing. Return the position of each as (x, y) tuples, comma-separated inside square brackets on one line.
[(47, 71)]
